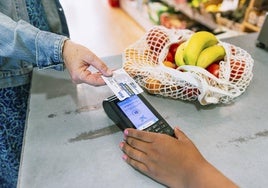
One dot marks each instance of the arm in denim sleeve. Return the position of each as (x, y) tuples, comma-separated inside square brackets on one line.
[(23, 41)]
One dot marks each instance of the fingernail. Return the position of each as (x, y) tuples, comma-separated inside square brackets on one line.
[(121, 145), (124, 157), (125, 132), (178, 128), (109, 72)]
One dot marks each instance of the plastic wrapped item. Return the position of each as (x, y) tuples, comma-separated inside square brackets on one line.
[(144, 59)]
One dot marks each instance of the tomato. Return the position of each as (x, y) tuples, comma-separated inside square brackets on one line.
[(173, 48), (171, 52), (214, 69), (170, 57), (237, 69)]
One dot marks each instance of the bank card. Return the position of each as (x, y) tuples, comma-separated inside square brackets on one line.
[(122, 85)]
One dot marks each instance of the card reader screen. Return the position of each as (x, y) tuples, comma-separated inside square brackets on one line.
[(137, 112)]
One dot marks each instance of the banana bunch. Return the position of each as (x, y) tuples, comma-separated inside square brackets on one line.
[(202, 49)]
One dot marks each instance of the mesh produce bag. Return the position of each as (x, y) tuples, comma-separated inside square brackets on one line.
[(144, 59)]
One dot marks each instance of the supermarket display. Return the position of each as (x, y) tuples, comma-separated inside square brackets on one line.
[(210, 15)]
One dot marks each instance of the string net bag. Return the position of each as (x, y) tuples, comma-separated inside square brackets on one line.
[(144, 59)]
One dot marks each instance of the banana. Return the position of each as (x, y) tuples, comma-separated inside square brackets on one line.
[(209, 55), (179, 55), (198, 42)]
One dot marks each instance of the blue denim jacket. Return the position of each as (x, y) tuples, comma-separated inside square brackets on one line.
[(23, 46)]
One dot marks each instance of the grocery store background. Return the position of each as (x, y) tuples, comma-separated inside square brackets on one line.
[(102, 28), (107, 30)]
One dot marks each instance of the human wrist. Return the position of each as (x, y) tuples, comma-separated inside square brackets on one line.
[(190, 174), (194, 174), (206, 175), (65, 47)]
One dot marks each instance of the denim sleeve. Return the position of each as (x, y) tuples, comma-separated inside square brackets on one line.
[(22, 41)]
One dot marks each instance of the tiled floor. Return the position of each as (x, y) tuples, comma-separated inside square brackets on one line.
[(103, 29)]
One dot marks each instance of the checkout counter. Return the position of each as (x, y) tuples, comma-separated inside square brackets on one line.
[(70, 142)]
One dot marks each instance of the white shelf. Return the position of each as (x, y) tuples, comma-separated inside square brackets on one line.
[(205, 18), (138, 11)]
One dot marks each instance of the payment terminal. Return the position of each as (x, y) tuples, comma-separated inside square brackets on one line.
[(136, 112)]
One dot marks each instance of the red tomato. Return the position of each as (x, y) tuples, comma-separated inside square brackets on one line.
[(170, 57), (173, 48), (214, 69), (171, 52)]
